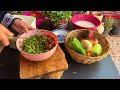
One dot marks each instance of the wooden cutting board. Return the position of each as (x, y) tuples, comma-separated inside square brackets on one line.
[(56, 63)]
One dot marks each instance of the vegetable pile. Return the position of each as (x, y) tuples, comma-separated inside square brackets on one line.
[(37, 44), (86, 44)]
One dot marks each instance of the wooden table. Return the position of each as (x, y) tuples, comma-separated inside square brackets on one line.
[(52, 68)]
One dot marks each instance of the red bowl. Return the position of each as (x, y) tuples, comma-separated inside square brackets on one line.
[(85, 17)]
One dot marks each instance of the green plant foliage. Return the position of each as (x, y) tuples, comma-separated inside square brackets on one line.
[(56, 16), (108, 23)]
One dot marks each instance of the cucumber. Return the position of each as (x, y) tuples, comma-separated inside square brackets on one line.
[(76, 45)]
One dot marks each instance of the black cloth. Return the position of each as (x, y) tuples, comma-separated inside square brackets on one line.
[(2, 13)]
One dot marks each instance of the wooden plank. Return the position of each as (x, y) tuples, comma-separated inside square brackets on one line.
[(55, 75), (55, 63)]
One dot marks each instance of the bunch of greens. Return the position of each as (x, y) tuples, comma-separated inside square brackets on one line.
[(108, 23), (57, 16), (36, 44)]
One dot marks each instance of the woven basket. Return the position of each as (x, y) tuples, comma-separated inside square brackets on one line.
[(87, 59)]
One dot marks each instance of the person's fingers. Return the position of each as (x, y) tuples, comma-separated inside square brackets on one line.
[(22, 28), (4, 40), (25, 29), (8, 33), (5, 30), (31, 28)]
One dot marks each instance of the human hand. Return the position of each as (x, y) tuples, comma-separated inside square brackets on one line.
[(4, 35), (21, 26)]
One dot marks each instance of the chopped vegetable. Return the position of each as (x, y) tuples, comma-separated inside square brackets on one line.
[(37, 44)]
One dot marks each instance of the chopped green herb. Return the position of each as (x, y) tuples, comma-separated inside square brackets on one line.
[(37, 44)]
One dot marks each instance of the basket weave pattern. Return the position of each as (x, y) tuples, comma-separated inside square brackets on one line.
[(86, 59)]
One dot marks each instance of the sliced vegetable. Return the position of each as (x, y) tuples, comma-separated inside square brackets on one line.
[(37, 44)]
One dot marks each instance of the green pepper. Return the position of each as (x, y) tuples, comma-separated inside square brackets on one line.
[(76, 45)]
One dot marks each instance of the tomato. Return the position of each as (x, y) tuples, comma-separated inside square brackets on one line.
[(91, 35), (88, 54)]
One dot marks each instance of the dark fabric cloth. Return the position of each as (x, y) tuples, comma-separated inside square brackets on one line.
[(2, 13)]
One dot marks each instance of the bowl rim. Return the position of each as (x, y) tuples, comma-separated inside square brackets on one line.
[(65, 30), (60, 30), (86, 15), (40, 53)]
